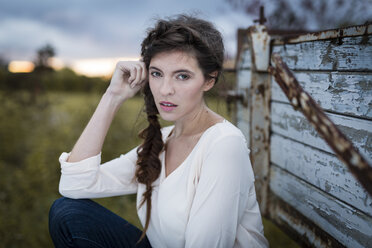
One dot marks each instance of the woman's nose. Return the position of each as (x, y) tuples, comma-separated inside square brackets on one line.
[(166, 87)]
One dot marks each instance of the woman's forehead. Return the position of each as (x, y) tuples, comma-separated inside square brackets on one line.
[(175, 60)]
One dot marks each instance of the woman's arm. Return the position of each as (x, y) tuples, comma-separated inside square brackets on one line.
[(127, 79), (89, 178)]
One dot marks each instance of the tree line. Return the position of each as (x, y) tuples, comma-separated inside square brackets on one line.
[(45, 78)]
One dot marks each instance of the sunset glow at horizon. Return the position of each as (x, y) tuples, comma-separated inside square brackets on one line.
[(21, 66), (99, 67)]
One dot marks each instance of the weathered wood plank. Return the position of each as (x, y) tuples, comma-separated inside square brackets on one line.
[(353, 54), (304, 231), (338, 33), (245, 59), (345, 93), (243, 113), (292, 124), (259, 109), (349, 226), (321, 169), (333, 136), (243, 79), (243, 84)]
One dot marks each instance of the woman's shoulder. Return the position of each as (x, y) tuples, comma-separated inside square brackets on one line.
[(222, 131)]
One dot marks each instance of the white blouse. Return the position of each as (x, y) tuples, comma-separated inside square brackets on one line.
[(208, 201)]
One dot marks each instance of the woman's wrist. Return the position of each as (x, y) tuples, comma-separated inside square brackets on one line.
[(114, 99)]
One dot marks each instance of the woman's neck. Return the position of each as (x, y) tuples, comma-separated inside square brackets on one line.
[(200, 121)]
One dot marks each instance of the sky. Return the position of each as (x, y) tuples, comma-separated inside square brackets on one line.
[(84, 31), (90, 36)]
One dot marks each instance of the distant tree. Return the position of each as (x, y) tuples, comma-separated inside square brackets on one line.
[(3, 63), (42, 67), (308, 14), (43, 59)]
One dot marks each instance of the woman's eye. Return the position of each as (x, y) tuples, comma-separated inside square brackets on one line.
[(182, 77), (155, 74)]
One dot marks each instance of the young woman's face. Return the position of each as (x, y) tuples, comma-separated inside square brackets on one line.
[(177, 84)]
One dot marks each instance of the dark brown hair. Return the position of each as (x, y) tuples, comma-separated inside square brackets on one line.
[(181, 33)]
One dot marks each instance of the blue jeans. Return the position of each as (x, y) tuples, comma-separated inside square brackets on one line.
[(85, 223)]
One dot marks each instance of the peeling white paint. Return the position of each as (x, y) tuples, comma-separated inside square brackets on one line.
[(344, 93), (292, 124), (321, 169), (348, 226), (351, 55)]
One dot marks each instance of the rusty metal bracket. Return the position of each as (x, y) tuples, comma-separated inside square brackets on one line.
[(302, 101), (233, 96), (237, 96)]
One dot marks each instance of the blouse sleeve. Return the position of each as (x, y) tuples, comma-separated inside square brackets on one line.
[(225, 187), (90, 179)]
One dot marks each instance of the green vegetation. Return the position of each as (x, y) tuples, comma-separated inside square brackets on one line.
[(32, 138), (41, 81), (36, 127)]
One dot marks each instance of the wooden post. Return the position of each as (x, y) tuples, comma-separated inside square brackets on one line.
[(259, 94)]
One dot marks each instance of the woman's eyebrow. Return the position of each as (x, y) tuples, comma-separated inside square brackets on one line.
[(177, 71), (154, 68), (184, 70)]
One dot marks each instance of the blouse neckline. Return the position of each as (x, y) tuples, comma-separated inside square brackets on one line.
[(163, 177)]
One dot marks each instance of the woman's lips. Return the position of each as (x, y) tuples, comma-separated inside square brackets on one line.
[(167, 106)]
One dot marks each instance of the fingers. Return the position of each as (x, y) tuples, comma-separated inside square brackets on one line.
[(140, 74), (133, 73), (137, 76)]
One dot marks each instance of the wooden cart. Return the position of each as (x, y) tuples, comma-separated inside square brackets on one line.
[(309, 180)]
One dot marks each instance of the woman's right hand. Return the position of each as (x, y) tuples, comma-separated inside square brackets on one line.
[(128, 78)]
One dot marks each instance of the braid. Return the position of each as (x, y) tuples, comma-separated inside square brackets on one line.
[(148, 163)]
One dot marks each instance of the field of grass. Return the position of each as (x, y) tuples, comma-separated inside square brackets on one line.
[(32, 136)]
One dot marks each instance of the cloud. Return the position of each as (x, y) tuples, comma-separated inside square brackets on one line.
[(93, 29), (20, 38)]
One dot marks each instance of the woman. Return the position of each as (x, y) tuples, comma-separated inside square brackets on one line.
[(194, 181)]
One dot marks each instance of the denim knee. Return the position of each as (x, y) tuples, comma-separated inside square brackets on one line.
[(57, 206), (61, 214), (62, 209), (74, 222), (66, 206)]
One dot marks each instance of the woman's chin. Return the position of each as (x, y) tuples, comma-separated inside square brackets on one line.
[(167, 117)]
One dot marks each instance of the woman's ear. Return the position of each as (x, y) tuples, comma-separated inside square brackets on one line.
[(211, 81)]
